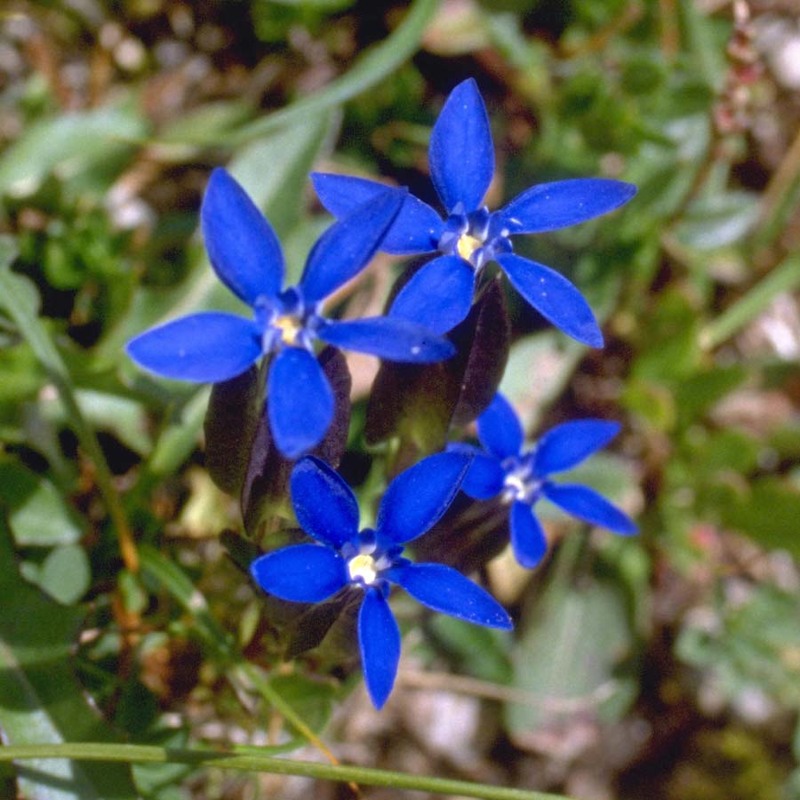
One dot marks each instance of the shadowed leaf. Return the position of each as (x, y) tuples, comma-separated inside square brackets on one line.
[(266, 480), (420, 403), (231, 420)]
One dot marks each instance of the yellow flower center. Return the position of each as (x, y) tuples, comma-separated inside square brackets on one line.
[(290, 328), (363, 566), (467, 245)]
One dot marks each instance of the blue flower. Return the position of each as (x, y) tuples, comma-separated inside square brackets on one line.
[(370, 560), (461, 159), (522, 477), (247, 257)]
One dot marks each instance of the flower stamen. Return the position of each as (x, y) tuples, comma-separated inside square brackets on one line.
[(467, 245), (290, 328)]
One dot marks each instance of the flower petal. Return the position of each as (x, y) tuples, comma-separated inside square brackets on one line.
[(446, 590), (302, 573), (568, 444), (485, 477), (418, 497), (242, 247), (549, 206), (528, 539), (324, 504), (416, 229), (379, 640), (588, 505), (208, 347), (348, 245), (554, 297), (300, 401), (439, 295), (500, 430), (388, 338), (461, 151)]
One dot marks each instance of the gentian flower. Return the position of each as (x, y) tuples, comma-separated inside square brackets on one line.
[(461, 156), (522, 477), (247, 258), (370, 560)]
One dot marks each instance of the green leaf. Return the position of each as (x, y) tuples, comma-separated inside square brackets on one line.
[(69, 143), (568, 658), (766, 509), (552, 359), (375, 64), (65, 574), (207, 125), (274, 170), (37, 513), (750, 645), (718, 220), (312, 700), (41, 700)]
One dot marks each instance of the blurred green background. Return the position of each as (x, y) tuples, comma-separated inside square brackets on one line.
[(666, 667)]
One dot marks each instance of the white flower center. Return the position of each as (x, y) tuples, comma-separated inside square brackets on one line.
[(363, 567)]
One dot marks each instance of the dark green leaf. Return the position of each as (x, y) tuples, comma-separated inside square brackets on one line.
[(41, 700)]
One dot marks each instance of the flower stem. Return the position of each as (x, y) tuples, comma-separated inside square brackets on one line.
[(146, 754)]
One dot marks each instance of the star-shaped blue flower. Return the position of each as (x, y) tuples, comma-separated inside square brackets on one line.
[(461, 159), (247, 257), (522, 477), (370, 560)]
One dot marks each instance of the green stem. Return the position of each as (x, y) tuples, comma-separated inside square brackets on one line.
[(174, 580), (146, 754), (372, 67), (17, 304), (784, 278)]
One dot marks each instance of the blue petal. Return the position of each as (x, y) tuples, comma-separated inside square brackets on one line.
[(549, 206), (388, 338), (499, 429), (588, 505), (418, 497), (485, 477), (461, 151), (568, 444), (324, 504), (554, 297), (528, 539), (439, 295), (348, 245), (241, 244), (300, 401), (379, 640), (302, 573), (446, 590), (207, 347), (416, 229)]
